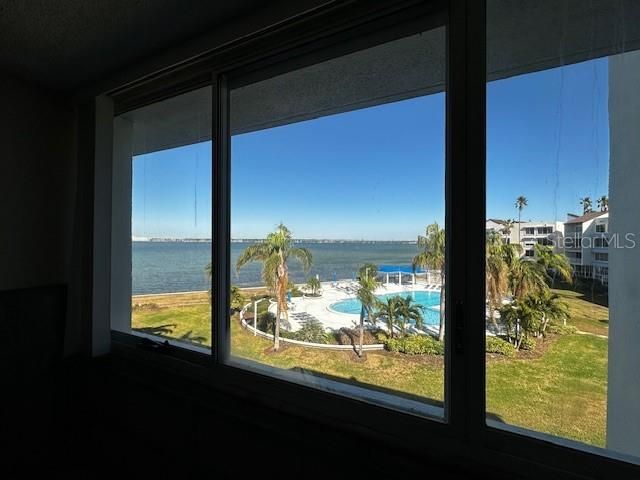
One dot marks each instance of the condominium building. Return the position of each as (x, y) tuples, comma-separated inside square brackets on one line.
[(586, 245), (528, 234)]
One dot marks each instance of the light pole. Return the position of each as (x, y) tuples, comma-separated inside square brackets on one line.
[(255, 314)]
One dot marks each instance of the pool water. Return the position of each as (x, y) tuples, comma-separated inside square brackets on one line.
[(429, 300)]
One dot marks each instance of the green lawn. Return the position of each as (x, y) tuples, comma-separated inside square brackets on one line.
[(561, 391), (586, 316)]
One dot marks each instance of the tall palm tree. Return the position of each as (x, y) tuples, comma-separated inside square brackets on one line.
[(497, 274), (273, 253), (521, 202), (409, 311), (586, 205), (556, 262), (603, 203), (432, 256), (367, 285), (389, 310)]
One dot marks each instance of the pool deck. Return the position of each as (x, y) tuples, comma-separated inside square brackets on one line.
[(332, 292)]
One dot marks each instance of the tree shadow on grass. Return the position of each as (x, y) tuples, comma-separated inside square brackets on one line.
[(191, 338), (160, 330)]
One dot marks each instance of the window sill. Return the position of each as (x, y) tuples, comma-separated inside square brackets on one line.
[(504, 450)]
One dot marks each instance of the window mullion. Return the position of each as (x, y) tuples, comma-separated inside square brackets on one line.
[(466, 216), (221, 219)]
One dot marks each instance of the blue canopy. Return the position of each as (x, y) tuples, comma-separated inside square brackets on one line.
[(399, 268)]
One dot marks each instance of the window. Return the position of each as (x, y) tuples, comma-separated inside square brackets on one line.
[(600, 242), (330, 164), (567, 106), (162, 158), (601, 257), (334, 152)]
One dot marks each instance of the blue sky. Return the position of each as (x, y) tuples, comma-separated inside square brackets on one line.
[(378, 173)]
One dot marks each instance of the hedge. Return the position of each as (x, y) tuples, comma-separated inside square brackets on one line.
[(415, 345)]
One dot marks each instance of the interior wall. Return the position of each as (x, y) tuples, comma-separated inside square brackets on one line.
[(36, 185)]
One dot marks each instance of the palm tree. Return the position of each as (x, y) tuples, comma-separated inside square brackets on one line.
[(432, 256), (408, 311), (274, 252), (603, 203), (368, 270), (557, 262), (510, 316), (497, 274), (586, 205), (507, 227), (367, 285), (527, 277), (550, 308), (521, 202), (313, 284), (389, 310)]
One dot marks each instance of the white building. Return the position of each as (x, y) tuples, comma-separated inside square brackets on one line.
[(500, 227), (586, 245), (528, 234), (550, 234)]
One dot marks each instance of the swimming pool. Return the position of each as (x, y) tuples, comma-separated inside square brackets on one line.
[(429, 300)]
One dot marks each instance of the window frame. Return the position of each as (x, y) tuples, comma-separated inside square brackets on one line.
[(465, 434)]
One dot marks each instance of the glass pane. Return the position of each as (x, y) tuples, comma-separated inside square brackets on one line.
[(562, 172), (167, 146), (337, 224)]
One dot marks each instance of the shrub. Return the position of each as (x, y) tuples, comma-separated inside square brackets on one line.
[(528, 343), (415, 345), (381, 336), (312, 331), (237, 298), (500, 346), (561, 329), (293, 288), (267, 322), (351, 336)]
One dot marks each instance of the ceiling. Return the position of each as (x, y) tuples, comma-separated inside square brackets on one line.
[(66, 44)]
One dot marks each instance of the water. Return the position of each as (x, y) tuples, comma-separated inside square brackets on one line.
[(160, 267), (428, 300)]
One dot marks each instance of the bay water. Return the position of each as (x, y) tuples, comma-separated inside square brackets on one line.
[(163, 267)]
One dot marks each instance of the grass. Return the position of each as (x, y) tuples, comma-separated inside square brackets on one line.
[(585, 316), (560, 390), (563, 392)]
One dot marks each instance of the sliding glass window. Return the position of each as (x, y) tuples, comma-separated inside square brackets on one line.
[(563, 262), (162, 221), (337, 224)]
